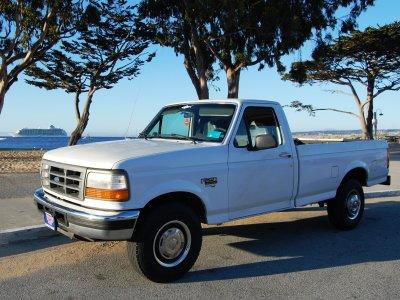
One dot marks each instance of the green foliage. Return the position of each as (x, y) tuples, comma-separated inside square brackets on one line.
[(21, 22), (28, 29), (369, 58), (244, 33), (361, 56), (108, 46), (172, 23), (298, 106), (238, 34)]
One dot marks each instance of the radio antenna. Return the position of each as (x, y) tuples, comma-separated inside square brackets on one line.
[(133, 110)]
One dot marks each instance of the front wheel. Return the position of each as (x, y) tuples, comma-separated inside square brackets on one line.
[(168, 243), (346, 210)]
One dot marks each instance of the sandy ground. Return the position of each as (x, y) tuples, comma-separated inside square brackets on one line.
[(20, 161)]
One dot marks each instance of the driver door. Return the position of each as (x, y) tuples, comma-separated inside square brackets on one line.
[(259, 180)]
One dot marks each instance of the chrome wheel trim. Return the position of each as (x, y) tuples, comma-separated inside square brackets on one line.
[(353, 205), (172, 243)]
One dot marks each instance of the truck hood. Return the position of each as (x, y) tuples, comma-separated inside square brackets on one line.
[(105, 155)]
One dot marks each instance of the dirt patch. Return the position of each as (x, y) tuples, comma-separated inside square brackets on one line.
[(20, 161)]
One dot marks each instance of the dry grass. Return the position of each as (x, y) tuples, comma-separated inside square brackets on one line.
[(20, 161)]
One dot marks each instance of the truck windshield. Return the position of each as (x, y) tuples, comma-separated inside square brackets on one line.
[(197, 122)]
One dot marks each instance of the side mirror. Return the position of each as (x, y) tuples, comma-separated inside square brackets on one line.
[(265, 141)]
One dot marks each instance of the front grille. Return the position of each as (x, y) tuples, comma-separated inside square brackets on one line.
[(66, 180)]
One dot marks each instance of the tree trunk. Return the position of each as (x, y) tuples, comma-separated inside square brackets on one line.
[(203, 86), (370, 118), (3, 90), (2, 98), (199, 82), (201, 69), (370, 114), (193, 43), (83, 121), (77, 110), (233, 78), (77, 133), (363, 124)]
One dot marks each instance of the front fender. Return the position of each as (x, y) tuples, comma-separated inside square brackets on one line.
[(172, 186)]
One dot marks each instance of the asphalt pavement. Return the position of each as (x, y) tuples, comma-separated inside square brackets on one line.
[(295, 254), (16, 200)]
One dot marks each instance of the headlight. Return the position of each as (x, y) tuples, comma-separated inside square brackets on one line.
[(107, 186), (45, 174)]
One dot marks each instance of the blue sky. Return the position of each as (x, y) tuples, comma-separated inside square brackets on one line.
[(164, 80)]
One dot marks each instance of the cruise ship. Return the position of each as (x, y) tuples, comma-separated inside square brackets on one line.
[(51, 131)]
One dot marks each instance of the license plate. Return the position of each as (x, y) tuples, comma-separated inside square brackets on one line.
[(50, 221)]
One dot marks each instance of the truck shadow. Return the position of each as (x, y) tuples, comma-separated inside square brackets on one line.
[(309, 244), (30, 246)]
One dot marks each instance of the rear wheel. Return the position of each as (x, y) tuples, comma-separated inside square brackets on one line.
[(346, 210), (168, 242)]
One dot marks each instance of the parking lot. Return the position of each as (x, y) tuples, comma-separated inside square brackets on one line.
[(295, 254)]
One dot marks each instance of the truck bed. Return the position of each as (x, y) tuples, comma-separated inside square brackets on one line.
[(322, 166)]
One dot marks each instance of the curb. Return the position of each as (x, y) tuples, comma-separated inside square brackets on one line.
[(27, 233), (41, 231), (379, 194)]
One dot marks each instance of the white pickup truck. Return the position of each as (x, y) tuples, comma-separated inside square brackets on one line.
[(200, 162)]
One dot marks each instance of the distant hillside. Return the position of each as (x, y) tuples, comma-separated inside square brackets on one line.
[(345, 132)]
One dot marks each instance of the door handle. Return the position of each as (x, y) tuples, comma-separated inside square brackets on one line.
[(285, 154)]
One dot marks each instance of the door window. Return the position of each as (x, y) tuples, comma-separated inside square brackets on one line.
[(257, 121)]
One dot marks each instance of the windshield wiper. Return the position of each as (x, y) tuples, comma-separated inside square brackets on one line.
[(185, 137), (172, 135), (145, 136)]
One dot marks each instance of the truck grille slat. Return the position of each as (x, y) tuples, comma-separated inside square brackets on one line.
[(73, 178), (66, 180), (56, 173), (56, 183)]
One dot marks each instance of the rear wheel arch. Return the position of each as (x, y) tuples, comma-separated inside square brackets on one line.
[(360, 174)]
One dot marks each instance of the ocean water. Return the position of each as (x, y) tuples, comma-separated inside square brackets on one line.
[(45, 143)]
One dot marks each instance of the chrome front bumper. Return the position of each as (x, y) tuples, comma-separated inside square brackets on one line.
[(73, 222)]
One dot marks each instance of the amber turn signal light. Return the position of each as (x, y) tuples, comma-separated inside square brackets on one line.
[(107, 195)]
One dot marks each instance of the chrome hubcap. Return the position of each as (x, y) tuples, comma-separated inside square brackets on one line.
[(353, 204), (172, 244)]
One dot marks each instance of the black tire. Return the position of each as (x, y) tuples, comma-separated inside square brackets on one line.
[(160, 229), (346, 210)]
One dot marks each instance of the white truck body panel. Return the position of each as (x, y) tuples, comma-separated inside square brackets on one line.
[(323, 166), (249, 182), (105, 155), (261, 181)]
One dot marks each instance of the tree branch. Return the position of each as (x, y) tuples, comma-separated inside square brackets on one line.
[(391, 87), (353, 90), (216, 54), (35, 46), (337, 110), (299, 106)]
